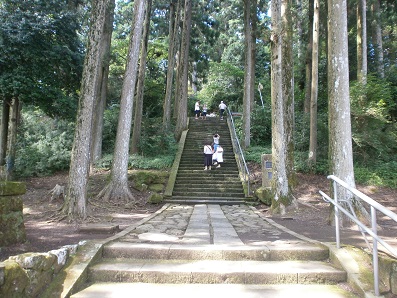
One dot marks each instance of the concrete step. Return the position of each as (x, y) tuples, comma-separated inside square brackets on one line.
[(215, 271), (282, 250), (123, 290)]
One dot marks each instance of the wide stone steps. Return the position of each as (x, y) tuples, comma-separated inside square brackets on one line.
[(193, 184)]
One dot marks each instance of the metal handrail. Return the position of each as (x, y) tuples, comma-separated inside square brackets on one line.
[(371, 231), (242, 165)]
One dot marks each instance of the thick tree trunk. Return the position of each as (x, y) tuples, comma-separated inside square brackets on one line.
[(340, 136), (249, 74), (5, 118), (76, 198), (282, 106), (314, 86), (173, 34), (137, 130), (117, 189), (377, 37), (181, 123), (102, 84), (11, 150)]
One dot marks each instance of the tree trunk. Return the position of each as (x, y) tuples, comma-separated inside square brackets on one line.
[(308, 63), (75, 204), (102, 84), (137, 130), (173, 33), (194, 78), (11, 151), (362, 42), (117, 189), (181, 123), (282, 106), (5, 118), (340, 136), (249, 74), (314, 86), (377, 37)]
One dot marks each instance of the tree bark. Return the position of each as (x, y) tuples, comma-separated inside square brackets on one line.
[(362, 42), (377, 37), (173, 33), (314, 86), (181, 123), (102, 84), (308, 64), (340, 136), (5, 118), (282, 106), (249, 74), (11, 150), (75, 204), (118, 189), (137, 130)]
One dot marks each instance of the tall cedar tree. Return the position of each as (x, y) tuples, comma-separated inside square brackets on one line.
[(117, 189)]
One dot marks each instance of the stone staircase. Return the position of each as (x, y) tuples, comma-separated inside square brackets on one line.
[(210, 260), (193, 185)]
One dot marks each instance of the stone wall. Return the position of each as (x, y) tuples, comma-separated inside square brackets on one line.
[(11, 213), (28, 275)]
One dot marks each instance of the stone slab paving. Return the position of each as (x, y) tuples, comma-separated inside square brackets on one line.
[(208, 224)]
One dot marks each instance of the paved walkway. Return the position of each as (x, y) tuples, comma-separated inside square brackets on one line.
[(210, 224)]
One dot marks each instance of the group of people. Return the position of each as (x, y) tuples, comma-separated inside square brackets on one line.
[(213, 153), (201, 111)]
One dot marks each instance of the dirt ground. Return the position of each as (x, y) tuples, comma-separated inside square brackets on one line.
[(47, 230)]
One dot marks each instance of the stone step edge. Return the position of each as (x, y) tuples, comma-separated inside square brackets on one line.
[(272, 252), (211, 271), (123, 290)]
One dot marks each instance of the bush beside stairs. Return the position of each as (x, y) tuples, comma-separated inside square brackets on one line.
[(193, 185)]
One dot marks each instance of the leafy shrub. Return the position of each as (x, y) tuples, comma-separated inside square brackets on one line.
[(43, 144)]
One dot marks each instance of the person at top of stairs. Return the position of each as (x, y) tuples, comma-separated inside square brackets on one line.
[(222, 107), (208, 152)]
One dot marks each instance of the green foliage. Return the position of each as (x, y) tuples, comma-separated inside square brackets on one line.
[(110, 122), (261, 125), (254, 153), (379, 174), (41, 55), (225, 82), (159, 162), (373, 134), (43, 144), (153, 143)]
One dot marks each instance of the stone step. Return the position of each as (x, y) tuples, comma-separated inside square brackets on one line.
[(123, 290), (214, 187), (279, 251), (215, 271), (207, 194), (206, 200)]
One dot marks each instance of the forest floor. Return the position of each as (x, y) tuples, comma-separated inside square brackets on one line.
[(47, 230)]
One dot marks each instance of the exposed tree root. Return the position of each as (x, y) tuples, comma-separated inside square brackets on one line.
[(116, 193)]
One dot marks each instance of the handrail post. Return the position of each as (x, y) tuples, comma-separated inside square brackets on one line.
[(375, 251), (337, 235)]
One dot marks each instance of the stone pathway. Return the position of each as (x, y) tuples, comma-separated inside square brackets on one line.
[(209, 224)]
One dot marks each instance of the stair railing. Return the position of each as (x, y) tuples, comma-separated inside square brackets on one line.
[(242, 165), (374, 206)]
